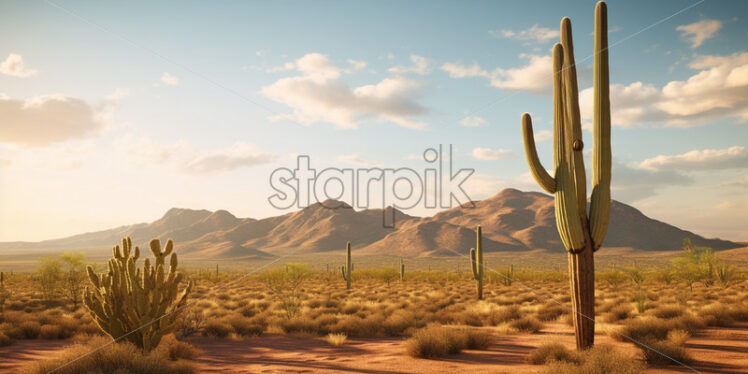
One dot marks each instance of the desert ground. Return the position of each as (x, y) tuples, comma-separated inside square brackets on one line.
[(280, 318)]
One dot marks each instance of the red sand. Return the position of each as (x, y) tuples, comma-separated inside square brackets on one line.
[(716, 350)]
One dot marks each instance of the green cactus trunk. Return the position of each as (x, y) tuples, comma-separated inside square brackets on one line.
[(477, 263), (348, 268), (581, 234)]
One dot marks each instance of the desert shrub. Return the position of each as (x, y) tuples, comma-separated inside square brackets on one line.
[(398, 322), (118, 358), (29, 329), (300, 325), (51, 332), (552, 351), (356, 326), (245, 326), (640, 299), (527, 324), (549, 312), (286, 286), (5, 340), (50, 276), (189, 322), (599, 359), (336, 340), (174, 349), (436, 341), (73, 275), (653, 328), (665, 352), (618, 313), (669, 311), (217, 328), (504, 314), (477, 339), (717, 315)]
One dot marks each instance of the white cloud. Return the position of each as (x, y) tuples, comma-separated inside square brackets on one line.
[(718, 89), (356, 65), (535, 33), (285, 67), (119, 93), (169, 79), (239, 155), (735, 157), (14, 67), (421, 65), (490, 154), (629, 105), (535, 77), (319, 95), (457, 70), (185, 158), (354, 159), (632, 182), (698, 32), (472, 121), (741, 182), (47, 119)]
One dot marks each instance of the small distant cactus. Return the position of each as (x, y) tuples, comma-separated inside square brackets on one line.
[(477, 262), (507, 276), (137, 306), (402, 270), (4, 295), (348, 268)]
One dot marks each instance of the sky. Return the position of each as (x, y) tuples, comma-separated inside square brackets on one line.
[(113, 112)]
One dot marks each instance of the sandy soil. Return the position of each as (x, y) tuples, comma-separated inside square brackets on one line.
[(723, 350), (716, 350)]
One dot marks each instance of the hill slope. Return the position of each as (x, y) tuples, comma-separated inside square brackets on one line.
[(512, 220)]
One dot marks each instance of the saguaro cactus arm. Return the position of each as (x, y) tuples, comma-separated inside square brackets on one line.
[(601, 155), (536, 168)]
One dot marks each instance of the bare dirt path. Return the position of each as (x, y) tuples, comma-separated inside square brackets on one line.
[(715, 350), (23, 351)]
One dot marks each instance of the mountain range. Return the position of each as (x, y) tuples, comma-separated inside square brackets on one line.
[(512, 220)]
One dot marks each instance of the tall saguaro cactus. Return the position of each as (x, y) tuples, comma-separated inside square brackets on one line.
[(477, 262), (348, 268), (581, 234), (138, 306)]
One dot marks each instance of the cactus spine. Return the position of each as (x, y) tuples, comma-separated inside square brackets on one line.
[(580, 234), (139, 306), (348, 266), (477, 262)]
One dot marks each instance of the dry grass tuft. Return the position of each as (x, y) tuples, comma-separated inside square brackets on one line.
[(599, 359), (122, 358), (552, 351), (336, 339)]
